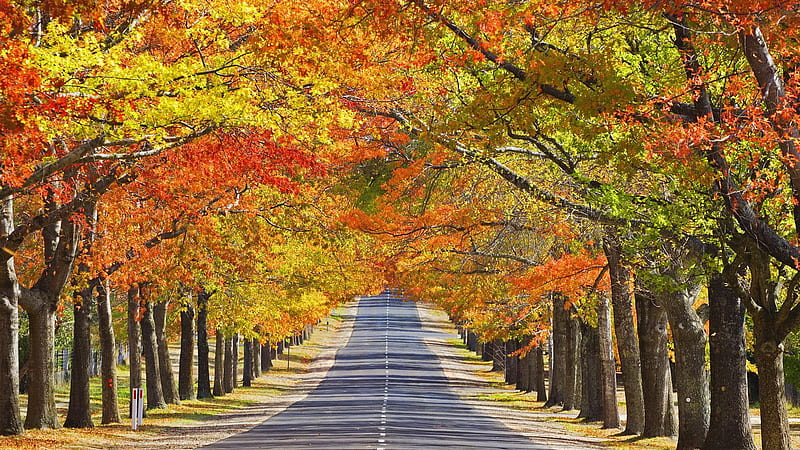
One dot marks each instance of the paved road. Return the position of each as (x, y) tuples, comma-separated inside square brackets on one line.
[(386, 390)]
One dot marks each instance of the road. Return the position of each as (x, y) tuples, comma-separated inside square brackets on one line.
[(385, 390)]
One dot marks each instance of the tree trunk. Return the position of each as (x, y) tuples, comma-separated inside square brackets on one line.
[(166, 375), (771, 387), (219, 364), (671, 417), (247, 369), (228, 377), (591, 392), (624, 326), (108, 360), (134, 339), (266, 357), (571, 387), (10, 419), (511, 362), (41, 302), (523, 369), (235, 361), (42, 411), (203, 377), (769, 334), (155, 395), (79, 414), (655, 365), (256, 363), (541, 390), (608, 364), (559, 352), (691, 376), (472, 341), (730, 418), (186, 363)]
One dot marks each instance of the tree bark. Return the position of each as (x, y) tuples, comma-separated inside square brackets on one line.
[(625, 328), (203, 377), (655, 365), (266, 357), (771, 387), (730, 418), (155, 396), (256, 363), (235, 360), (572, 392), (79, 414), (134, 338), (41, 302), (10, 419), (186, 363), (166, 375), (511, 362), (608, 364), (769, 334), (108, 364), (247, 369), (523, 369), (228, 377), (559, 352), (591, 392), (219, 364), (42, 411), (691, 376), (541, 390), (472, 341)]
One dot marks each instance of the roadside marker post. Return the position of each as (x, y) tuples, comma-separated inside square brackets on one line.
[(137, 407)]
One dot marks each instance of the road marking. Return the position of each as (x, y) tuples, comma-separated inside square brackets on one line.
[(382, 428)]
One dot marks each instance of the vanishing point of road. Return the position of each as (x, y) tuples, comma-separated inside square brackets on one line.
[(385, 390)]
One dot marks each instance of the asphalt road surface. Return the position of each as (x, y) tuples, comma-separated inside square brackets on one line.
[(386, 390)]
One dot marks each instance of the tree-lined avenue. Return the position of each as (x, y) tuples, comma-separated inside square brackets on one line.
[(386, 389)]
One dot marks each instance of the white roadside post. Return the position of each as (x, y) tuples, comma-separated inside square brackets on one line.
[(137, 407)]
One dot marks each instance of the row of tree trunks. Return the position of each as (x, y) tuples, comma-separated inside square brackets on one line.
[(721, 423)]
